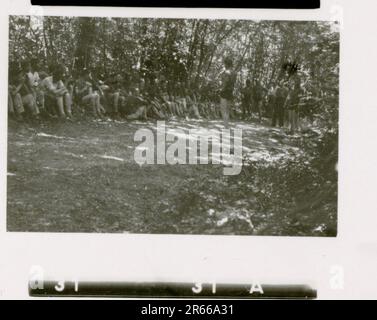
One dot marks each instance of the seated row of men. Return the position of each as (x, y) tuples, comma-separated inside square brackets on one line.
[(35, 94)]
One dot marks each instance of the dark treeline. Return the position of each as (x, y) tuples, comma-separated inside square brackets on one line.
[(187, 53)]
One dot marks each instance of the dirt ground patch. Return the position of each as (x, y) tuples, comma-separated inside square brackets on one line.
[(81, 177)]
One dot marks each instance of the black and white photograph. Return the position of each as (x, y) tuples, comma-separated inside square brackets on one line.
[(173, 126)]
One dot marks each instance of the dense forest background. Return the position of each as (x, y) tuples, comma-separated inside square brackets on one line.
[(188, 52)]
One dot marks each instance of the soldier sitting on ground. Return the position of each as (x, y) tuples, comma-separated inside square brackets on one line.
[(87, 96), (56, 94), (15, 105)]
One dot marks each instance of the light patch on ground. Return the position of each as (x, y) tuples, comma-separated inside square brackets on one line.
[(111, 158), (41, 134)]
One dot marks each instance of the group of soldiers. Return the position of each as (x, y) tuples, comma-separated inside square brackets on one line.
[(281, 102), (36, 92)]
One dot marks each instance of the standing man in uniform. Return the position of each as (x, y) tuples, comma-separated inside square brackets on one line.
[(246, 99), (280, 100), (227, 82), (293, 105), (258, 92)]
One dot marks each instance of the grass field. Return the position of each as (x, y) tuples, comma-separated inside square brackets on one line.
[(81, 177)]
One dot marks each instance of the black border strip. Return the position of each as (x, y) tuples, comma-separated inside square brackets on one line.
[(251, 4), (172, 290)]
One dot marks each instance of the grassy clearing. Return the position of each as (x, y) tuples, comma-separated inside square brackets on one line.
[(81, 177)]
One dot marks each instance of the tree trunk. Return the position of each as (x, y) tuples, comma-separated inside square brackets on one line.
[(85, 42)]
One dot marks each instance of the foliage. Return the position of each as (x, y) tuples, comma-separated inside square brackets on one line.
[(189, 52), (298, 194)]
